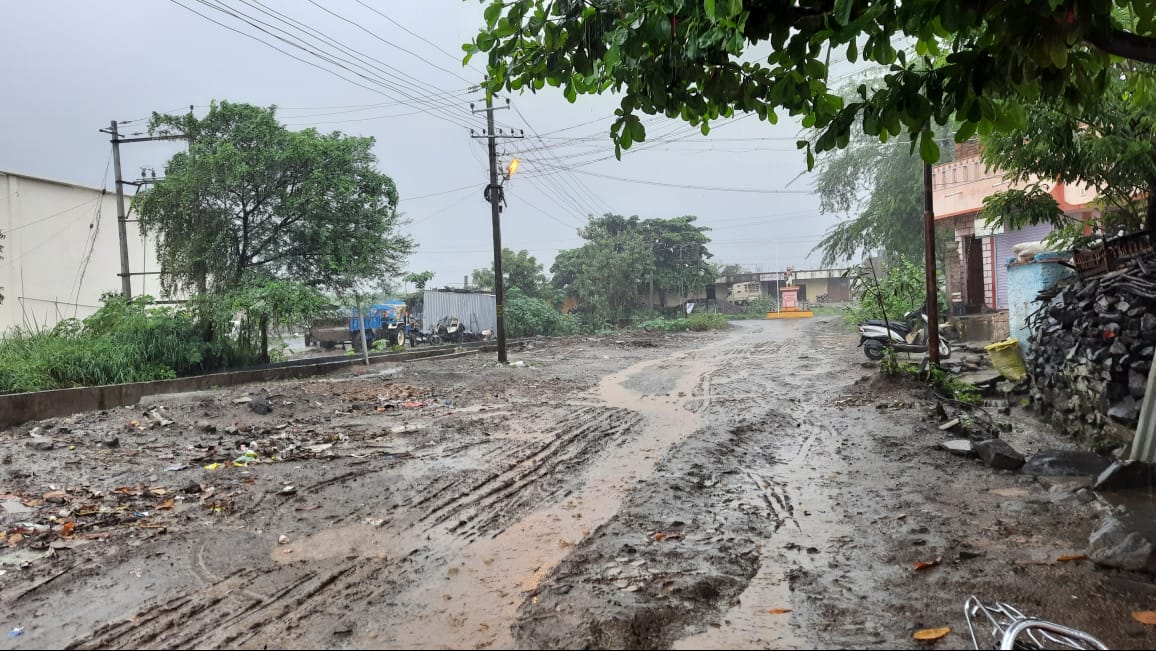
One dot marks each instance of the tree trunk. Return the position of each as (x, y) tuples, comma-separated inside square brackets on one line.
[(264, 340)]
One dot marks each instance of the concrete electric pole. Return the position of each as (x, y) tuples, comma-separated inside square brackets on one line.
[(121, 214), (495, 195)]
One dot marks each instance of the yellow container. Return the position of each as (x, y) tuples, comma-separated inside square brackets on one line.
[(1005, 357)]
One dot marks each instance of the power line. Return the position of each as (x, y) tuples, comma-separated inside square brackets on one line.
[(365, 119), (687, 186), (55, 214), (294, 42), (577, 184), (411, 33), (274, 47), (438, 194), (393, 45), (360, 58)]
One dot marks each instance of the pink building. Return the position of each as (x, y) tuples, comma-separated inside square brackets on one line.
[(977, 280)]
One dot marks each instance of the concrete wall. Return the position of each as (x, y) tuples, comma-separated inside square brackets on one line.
[(61, 251), (17, 408)]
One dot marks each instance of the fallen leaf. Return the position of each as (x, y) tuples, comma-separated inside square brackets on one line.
[(929, 634), (126, 490), (165, 505), (1145, 616), (659, 536), (779, 611), (158, 491), (923, 565), (901, 516), (1072, 557), (66, 530), (15, 539)]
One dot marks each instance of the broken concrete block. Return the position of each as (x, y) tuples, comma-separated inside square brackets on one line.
[(962, 447), (999, 455), (1118, 543)]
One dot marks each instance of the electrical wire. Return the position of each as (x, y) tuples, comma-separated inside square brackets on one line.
[(390, 89), (48, 217), (438, 194), (415, 84), (360, 59), (393, 45), (456, 58), (93, 234), (570, 180), (688, 186)]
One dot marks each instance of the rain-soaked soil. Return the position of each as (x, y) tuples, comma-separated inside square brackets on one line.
[(755, 488)]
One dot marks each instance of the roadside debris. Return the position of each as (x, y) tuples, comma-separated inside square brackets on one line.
[(999, 455), (962, 447)]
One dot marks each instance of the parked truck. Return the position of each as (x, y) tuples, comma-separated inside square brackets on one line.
[(389, 321)]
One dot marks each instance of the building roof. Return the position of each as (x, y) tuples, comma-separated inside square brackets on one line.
[(43, 179)]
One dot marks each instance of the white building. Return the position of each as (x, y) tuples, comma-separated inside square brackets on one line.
[(61, 251)]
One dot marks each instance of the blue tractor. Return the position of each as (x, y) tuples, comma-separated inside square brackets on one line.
[(389, 321)]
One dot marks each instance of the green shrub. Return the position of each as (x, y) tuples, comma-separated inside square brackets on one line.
[(124, 341), (526, 317), (697, 322), (700, 322)]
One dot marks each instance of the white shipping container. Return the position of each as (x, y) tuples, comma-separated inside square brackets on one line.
[(476, 310)]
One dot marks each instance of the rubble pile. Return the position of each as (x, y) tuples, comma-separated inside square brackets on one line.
[(1091, 350)]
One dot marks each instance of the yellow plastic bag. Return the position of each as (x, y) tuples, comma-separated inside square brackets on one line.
[(1005, 357)]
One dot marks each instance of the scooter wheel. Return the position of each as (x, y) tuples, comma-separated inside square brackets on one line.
[(874, 350)]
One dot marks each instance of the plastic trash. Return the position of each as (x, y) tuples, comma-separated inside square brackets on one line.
[(16, 632)]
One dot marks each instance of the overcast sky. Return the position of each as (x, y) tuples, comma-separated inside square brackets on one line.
[(72, 66)]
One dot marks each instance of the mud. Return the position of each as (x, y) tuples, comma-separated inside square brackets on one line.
[(748, 489)]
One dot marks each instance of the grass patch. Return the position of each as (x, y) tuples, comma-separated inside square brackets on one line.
[(694, 323)]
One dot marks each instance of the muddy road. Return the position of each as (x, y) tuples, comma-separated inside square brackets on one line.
[(756, 488)]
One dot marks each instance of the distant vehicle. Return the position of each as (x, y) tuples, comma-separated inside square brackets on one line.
[(389, 321), (743, 293)]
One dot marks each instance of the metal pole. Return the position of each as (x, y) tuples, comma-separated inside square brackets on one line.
[(929, 262), (361, 330), (121, 224), (495, 215)]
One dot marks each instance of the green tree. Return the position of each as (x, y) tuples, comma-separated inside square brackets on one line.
[(680, 254), (419, 279), (270, 302), (521, 272), (876, 189), (252, 196), (612, 272), (691, 60), (1109, 145)]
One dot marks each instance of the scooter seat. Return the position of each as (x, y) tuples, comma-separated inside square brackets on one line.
[(895, 325)]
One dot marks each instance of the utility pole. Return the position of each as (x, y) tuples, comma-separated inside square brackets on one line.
[(929, 263), (121, 225), (495, 195), (121, 214)]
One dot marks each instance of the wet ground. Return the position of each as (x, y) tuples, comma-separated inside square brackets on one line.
[(755, 488)]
